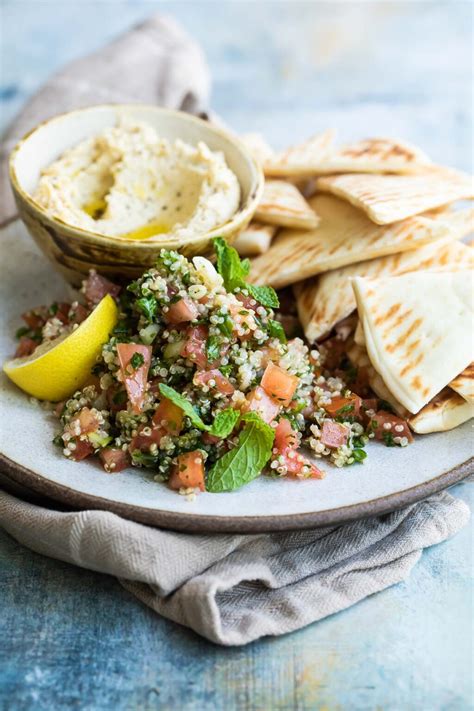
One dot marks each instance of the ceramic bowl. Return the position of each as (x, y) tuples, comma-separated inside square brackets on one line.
[(72, 250)]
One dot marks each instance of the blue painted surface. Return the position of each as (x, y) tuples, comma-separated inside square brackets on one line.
[(74, 639)]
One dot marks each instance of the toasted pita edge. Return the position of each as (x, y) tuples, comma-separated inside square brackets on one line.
[(444, 412), (255, 239), (463, 384), (275, 210)]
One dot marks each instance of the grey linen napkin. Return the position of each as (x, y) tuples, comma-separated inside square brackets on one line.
[(156, 62), (234, 589), (231, 589)]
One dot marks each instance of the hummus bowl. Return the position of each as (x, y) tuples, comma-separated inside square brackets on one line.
[(74, 250)]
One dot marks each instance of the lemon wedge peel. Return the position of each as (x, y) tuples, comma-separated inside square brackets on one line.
[(55, 370)]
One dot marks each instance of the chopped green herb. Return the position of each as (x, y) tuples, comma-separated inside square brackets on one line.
[(53, 309), (359, 455), (144, 459), (58, 441), (276, 330), (22, 332), (213, 348), (148, 306), (345, 408), (388, 439), (137, 360)]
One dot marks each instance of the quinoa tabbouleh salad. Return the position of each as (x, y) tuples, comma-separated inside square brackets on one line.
[(200, 383)]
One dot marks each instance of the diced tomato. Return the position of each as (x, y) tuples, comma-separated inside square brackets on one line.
[(25, 347), (188, 472), (247, 301), (258, 401), (333, 434), (96, 287), (285, 436), (194, 347), (88, 421), (146, 436), (83, 449), (219, 382), (279, 384), (114, 459), (182, 311), (62, 312), (344, 406), (135, 379), (79, 314), (36, 318), (386, 427), (286, 445), (169, 417)]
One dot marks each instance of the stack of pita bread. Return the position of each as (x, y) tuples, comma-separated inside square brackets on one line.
[(373, 227)]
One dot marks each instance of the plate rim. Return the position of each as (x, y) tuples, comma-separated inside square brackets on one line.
[(205, 523)]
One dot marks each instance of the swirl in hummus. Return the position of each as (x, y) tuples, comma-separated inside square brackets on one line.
[(129, 182)]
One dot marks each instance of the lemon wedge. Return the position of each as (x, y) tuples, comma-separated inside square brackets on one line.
[(55, 370)]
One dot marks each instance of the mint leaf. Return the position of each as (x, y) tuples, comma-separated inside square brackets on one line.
[(265, 295), (213, 348), (245, 266), (244, 463), (184, 404), (234, 273), (229, 265), (276, 330), (224, 423)]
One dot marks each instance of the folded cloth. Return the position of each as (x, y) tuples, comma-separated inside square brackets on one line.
[(154, 63), (233, 589)]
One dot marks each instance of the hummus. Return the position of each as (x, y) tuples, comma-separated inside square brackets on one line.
[(129, 182)]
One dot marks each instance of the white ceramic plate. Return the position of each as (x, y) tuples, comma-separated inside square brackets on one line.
[(389, 479)]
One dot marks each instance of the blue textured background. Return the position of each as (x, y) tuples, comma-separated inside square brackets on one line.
[(74, 639)]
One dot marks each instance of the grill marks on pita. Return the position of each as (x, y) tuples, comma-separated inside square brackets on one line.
[(319, 156), (410, 324), (390, 198), (344, 236)]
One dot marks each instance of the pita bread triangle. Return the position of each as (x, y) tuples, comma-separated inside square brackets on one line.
[(344, 236), (444, 412), (325, 300), (299, 160), (417, 330), (255, 239), (390, 198), (371, 155), (283, 204)]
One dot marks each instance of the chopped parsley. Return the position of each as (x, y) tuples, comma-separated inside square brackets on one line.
[(137, 360)]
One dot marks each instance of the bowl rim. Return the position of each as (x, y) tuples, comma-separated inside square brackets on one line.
[(79, 233)]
